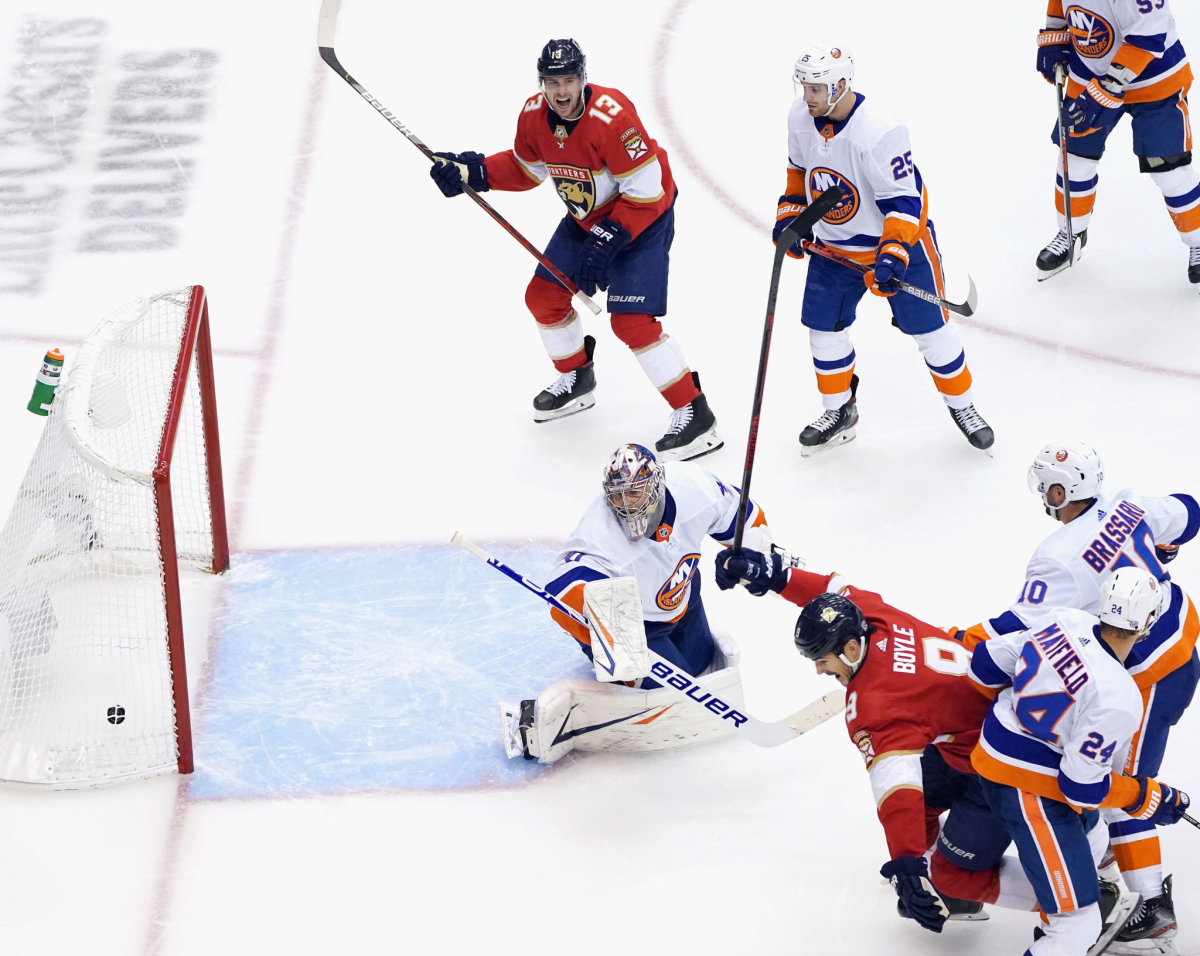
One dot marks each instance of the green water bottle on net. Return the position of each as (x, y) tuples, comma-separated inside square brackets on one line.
[(47, 381)]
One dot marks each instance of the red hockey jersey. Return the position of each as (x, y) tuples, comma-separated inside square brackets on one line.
[(910, 691), (602, 164)]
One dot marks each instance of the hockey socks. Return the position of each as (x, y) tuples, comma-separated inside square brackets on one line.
[(833, 357), (1181, 192), (1139, 855), (1083, 192), (947, 363)]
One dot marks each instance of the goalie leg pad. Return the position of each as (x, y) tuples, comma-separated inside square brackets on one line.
[(594, 716)]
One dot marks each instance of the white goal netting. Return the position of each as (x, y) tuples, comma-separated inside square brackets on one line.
[(85, 669)]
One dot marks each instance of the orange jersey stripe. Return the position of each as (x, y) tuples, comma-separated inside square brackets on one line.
[(1178, 655), (572, 598), (1044, 785), (1043, 835), (1133, 57), (795, 182)]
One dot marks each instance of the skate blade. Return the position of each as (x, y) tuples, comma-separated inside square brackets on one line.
[(1143, 947), (510, 730), (1121, 914), (706, 444), (809, 451), (581, 404), (969, 917)]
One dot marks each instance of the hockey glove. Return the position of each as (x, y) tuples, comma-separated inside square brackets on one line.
[(1166, 552), (759, 572), (789, 208), (909, 876), (453, 169), (1099, 105), (607, 238), (1054, 47), (1158, 803), (891, 262)]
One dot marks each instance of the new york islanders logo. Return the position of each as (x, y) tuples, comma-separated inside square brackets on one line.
[(819, 179), (672, 593), (1092, 35), (575, 188)]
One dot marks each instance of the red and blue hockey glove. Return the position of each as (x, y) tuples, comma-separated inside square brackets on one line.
[(607, 238), (789, 208), (1099, 105), (891, 262), (1158, 803), (1054, 48), (760, 572), (909, 876), (453, 169)]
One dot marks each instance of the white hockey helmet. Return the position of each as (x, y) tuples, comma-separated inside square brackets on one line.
[(1076, 467), (634, 486), (1131, 599), (824, 63)]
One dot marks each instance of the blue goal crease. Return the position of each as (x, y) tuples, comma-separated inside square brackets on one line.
[(373, 670)]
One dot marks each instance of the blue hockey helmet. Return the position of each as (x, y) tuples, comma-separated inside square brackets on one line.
[(562, 58)]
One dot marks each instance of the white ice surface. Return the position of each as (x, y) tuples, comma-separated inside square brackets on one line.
[(375, 380)]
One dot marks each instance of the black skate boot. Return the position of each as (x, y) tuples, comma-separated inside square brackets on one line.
[(1110, 895), (833, 428), (1194, 264), (572, 392), (1152, 927), (1053, 259), (971, 423), (692, 432)]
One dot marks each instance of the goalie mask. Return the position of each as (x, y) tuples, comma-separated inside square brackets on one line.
[(635, 488)]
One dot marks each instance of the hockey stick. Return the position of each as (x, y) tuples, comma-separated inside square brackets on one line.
[(1190, 819), (689, 688), (800, 225), (1066, 176), (963, 308), (325, 28)]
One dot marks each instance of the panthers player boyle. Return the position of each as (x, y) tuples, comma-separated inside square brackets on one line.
[(836, 136), (620, 196)]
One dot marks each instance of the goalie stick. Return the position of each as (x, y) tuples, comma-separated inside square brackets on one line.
[(326, 24), (689, 688), (960, 308), (800, 225)]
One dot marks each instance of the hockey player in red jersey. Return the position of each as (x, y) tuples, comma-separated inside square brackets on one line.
[(617, 186), (911, 712)]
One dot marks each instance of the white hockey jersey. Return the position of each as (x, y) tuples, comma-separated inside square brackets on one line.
[(869, 156), (1119, 529), (664, 562), (1137, 34), (1065, 713)]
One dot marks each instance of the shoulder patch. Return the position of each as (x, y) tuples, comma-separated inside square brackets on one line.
[(862, 740), (624, 136)]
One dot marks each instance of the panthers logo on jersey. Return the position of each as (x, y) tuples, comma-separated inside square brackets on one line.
[(672, 593), (575, 188), (819, 179), (1092, 35)]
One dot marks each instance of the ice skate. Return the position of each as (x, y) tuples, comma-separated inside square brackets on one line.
[(971, 423), (1194, 264), (571, 393), (515, 722), (1151, 929), (1054, 258), (692, 432), (834, 427)]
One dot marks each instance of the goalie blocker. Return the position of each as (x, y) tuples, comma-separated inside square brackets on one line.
[(600, 715)]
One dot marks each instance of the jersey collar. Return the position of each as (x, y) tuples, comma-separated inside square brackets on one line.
[(662, 533), (829, 129), (555, 121)]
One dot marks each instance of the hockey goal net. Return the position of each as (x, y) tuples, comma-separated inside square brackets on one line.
[(124, 488)]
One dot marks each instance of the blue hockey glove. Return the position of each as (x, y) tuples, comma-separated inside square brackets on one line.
[(1158, 803), (606, 240), (761, 572), (1054, 47), (909, 876), (1166, 552), (789, 208), (452, 169), (1098, 106), (891, 262)]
